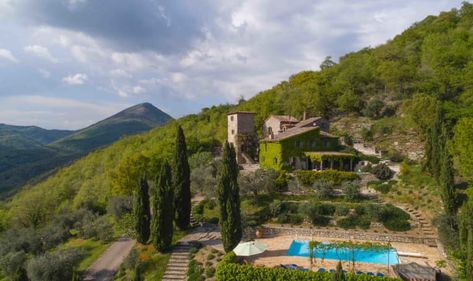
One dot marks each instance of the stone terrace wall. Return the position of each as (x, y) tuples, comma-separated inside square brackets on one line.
[(381, 237)]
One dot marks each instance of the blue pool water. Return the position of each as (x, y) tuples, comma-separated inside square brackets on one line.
[(301, 248)]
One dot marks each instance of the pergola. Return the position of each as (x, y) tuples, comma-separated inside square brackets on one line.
[(415, 272), (330, 158)]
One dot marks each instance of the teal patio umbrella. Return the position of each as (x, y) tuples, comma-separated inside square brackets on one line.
[(250, 248)]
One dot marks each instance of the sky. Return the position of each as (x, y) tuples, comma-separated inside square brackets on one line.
[(66, 64)]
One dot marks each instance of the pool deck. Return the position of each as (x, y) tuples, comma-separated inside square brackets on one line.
[(276, 254)]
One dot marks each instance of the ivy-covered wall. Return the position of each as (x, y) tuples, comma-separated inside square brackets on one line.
[(276, 154), (270, 155)]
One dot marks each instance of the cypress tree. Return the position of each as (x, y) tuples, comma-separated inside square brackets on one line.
[(446, 178), (141, 211), (163, 210), (181, 182), (339, 275), (229, 199), (437, 144)]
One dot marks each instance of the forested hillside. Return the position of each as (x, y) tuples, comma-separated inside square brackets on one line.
[(29, 152), (400, 81)]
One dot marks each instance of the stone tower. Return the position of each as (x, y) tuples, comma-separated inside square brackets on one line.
[(241, 133)]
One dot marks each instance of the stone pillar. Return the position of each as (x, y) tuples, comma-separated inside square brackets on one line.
[(321, 164), (351, 164), (331, 163)]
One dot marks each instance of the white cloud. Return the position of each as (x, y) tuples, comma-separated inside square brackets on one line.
[(6, 54), (41, 52), (75, 79)]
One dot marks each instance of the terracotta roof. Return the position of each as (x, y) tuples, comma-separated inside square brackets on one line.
[(291, 132), (329, 153), (286, 118), (240, 112), (328, 135), (308, 121)]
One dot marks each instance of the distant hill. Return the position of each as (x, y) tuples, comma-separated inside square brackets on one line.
[(27, 152), (133, 120), (34, 133)]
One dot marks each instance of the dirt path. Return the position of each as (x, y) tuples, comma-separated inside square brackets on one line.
[(108, 263)]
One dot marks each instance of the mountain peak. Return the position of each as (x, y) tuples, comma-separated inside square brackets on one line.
[(143, 111)]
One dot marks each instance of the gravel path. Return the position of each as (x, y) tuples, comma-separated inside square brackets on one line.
[(108, 263)]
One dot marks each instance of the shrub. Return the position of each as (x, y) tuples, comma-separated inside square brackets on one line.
[(382, 172), (320, 220), (374, 108), (132, 260), (324, 189), (360, 210), (210, 257), (57, 266), (290, 218), (280, 183), (210, 272), (342, 210), (348, 222), (366, 134), (394, 218), (120, 205), (194, 271), (351, 190), (335, 177), (13, 265), (229, 271), (275, 208)]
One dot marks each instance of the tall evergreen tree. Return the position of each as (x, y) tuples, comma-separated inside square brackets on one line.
[(163, 207), (141, 211), (181, 182), (339, 275), (446, 179), (466, 238), (229, 199), (437, 144)]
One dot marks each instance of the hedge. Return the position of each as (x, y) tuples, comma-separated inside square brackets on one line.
[(229, 271), (336, 177)]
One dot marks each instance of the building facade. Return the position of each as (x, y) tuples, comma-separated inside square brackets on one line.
[(304, 146), (242, 135)]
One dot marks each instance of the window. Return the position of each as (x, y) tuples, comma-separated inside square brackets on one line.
[(301, 144), (233, 132), (314, 144), (327, 143), (231, 118)]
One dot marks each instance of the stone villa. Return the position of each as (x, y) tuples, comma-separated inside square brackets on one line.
[(287, 143)]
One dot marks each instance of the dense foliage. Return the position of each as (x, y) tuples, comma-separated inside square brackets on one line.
[(332, 176), (227, 270)]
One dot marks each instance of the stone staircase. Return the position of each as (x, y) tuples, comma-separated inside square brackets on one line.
[(425, 226), (176, 269)]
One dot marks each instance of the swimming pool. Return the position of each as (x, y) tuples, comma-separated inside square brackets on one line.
[(301, 248)]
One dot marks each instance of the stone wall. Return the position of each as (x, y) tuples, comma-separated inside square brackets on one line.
[(270, 230)]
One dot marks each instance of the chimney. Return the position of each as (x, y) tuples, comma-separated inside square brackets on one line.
[(304, 116)]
